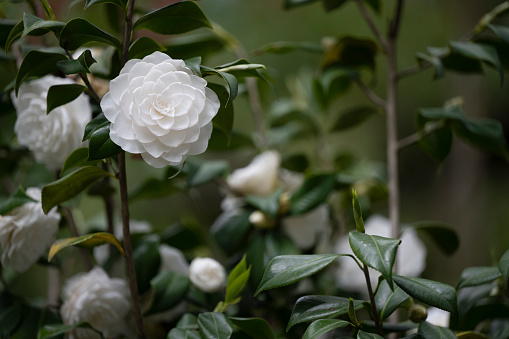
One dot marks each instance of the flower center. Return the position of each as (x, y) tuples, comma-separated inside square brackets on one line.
[(162, 106)]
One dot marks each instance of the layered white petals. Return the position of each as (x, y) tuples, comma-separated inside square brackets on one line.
[(26, 233), (160, 109), (206, 274), (50, 137)]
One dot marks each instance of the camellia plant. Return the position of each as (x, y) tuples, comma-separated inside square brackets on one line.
[(85, 101)]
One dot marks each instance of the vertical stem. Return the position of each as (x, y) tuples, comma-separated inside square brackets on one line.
[(74, 232), (378, 324)]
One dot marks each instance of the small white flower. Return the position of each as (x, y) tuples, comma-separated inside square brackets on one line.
[(260, 177), (26, 233), (411, 256), (438, 317), (158, 108), (99, 300), (50, 137), (173, 259), (303, 229), (207, 274)]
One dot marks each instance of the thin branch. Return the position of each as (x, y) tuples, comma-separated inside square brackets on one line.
[(370, 94), (376, 318), (394, 28), (74, 232), (412, 139), (84, 77), (371, 24)]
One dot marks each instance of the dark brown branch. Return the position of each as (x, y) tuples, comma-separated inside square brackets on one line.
[(376, 318), (371, 24), (74, 232)]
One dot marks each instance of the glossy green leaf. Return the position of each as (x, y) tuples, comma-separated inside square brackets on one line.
[(231, 81), (177, 18), (431, 331), (213, 325), (85, 241), (296, 3), (237, 279), (353, 117), (313, 192), (376, 252), (144, 46), (168, 289), (357, 212), (33, 25), (50, 331), (322, 326), (230, 228), (99, 121), (207, 171), (180, 333), (430, 292), (185, 46), (78, 158), (79, 32), (119, 3), (71, 185), (503, 266), (314, 307), (256, 328), (501, 31), (268, 205), (188, 321), (366, 335), (474, 276), (80, 65), (101, 146), (18, 198), (59, 95), (480, 52), (441, 234), (194, 64), (387, 300), (224, 117), (37, 64), (14, 34), (147, 261)]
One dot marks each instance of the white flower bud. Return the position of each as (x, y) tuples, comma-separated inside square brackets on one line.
[(260, 220), (207, 274)]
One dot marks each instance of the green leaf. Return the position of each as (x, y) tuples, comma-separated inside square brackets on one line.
[(14, 34), (431, 331), (214, 325), (101, 146), (430, 292), (319, 327), (147, 261), (237, 280), (179, 333), (207, 171), (474, 276), (37, 64), (352, 315), (367, 335), (168, 289), (18, 198), (80, 65), (119, 3), (194, 64), (442, 235), (503, 266), (230, 228), (480, 52), (313, 192), (353, 117), (50, 331), (10, 317), (472, 335), (387, 300), (177, 18), (351, 52), (268, 205), (435, 61), (85, 241), (376, 252), (71, 185), (287, 269), (186, 47), (79, 32), (94, 124), (33, 25), (314, 307), (296, 3), (59, 95), (357, 212), (78, 158), (153, 188), (501, 31), (188, 321), (256, 328), (224, 117), (142, 47), (231, 81)]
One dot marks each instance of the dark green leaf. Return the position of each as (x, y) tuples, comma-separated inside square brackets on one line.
[(314, 307), (188, 321), (80, 65), (78, 158), (367, 335), (10, 317), (430, 292), (177, 18), (376, 252), (431, 331), (474, 276), (18, 198), (287, 269), (59, 95), (168, 289), (224, 117), (50, 331), (153, 188), (194, 64), (143, 47), (214, 325), (186, 47), (79, 32), (231, 81), (268, 205), (501, 31), (352, 53), (179, 333), (146, 262), (313, 192), (101, 146), (230, 228), (296, 3), (387, 300), (256, 328), (353, 117), (14, 34), (85, 241), (435, 61), (37, 64), (480, 52), (319, 327), (206, 172), (357, 212), (34, 25), (503, 266), (119, 3), (71, 185), (437, 144), (94, 124), (442, 235)]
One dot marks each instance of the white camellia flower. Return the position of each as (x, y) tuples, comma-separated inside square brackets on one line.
[(26, 232), (101, 301), (158, 108), (259, 178), (50, 137), (438, 317), (411, 256), (303, 229), (173, 259), (206, 274)]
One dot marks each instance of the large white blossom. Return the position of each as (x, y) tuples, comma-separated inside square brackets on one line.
[(411, 256), (160, 109), (101, 301), (26, 233), (206, 274), (51, 137)]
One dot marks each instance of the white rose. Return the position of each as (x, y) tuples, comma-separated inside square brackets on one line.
[(260, 177), (411, 256), (26, 233), (50, 137), (303, 229), (173, 259), (207, 274), (158, 108), (99, 300)]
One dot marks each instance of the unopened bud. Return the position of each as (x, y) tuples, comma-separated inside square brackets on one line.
[(417, 313), (260, 220), (284, 203)]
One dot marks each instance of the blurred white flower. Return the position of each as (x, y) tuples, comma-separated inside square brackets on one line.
[(303, 229), (50, 137), (173, 259), (158, 108), (411, 256), (259, 178), (207, 274), (101, 301), (438, 317), (26, 233)]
